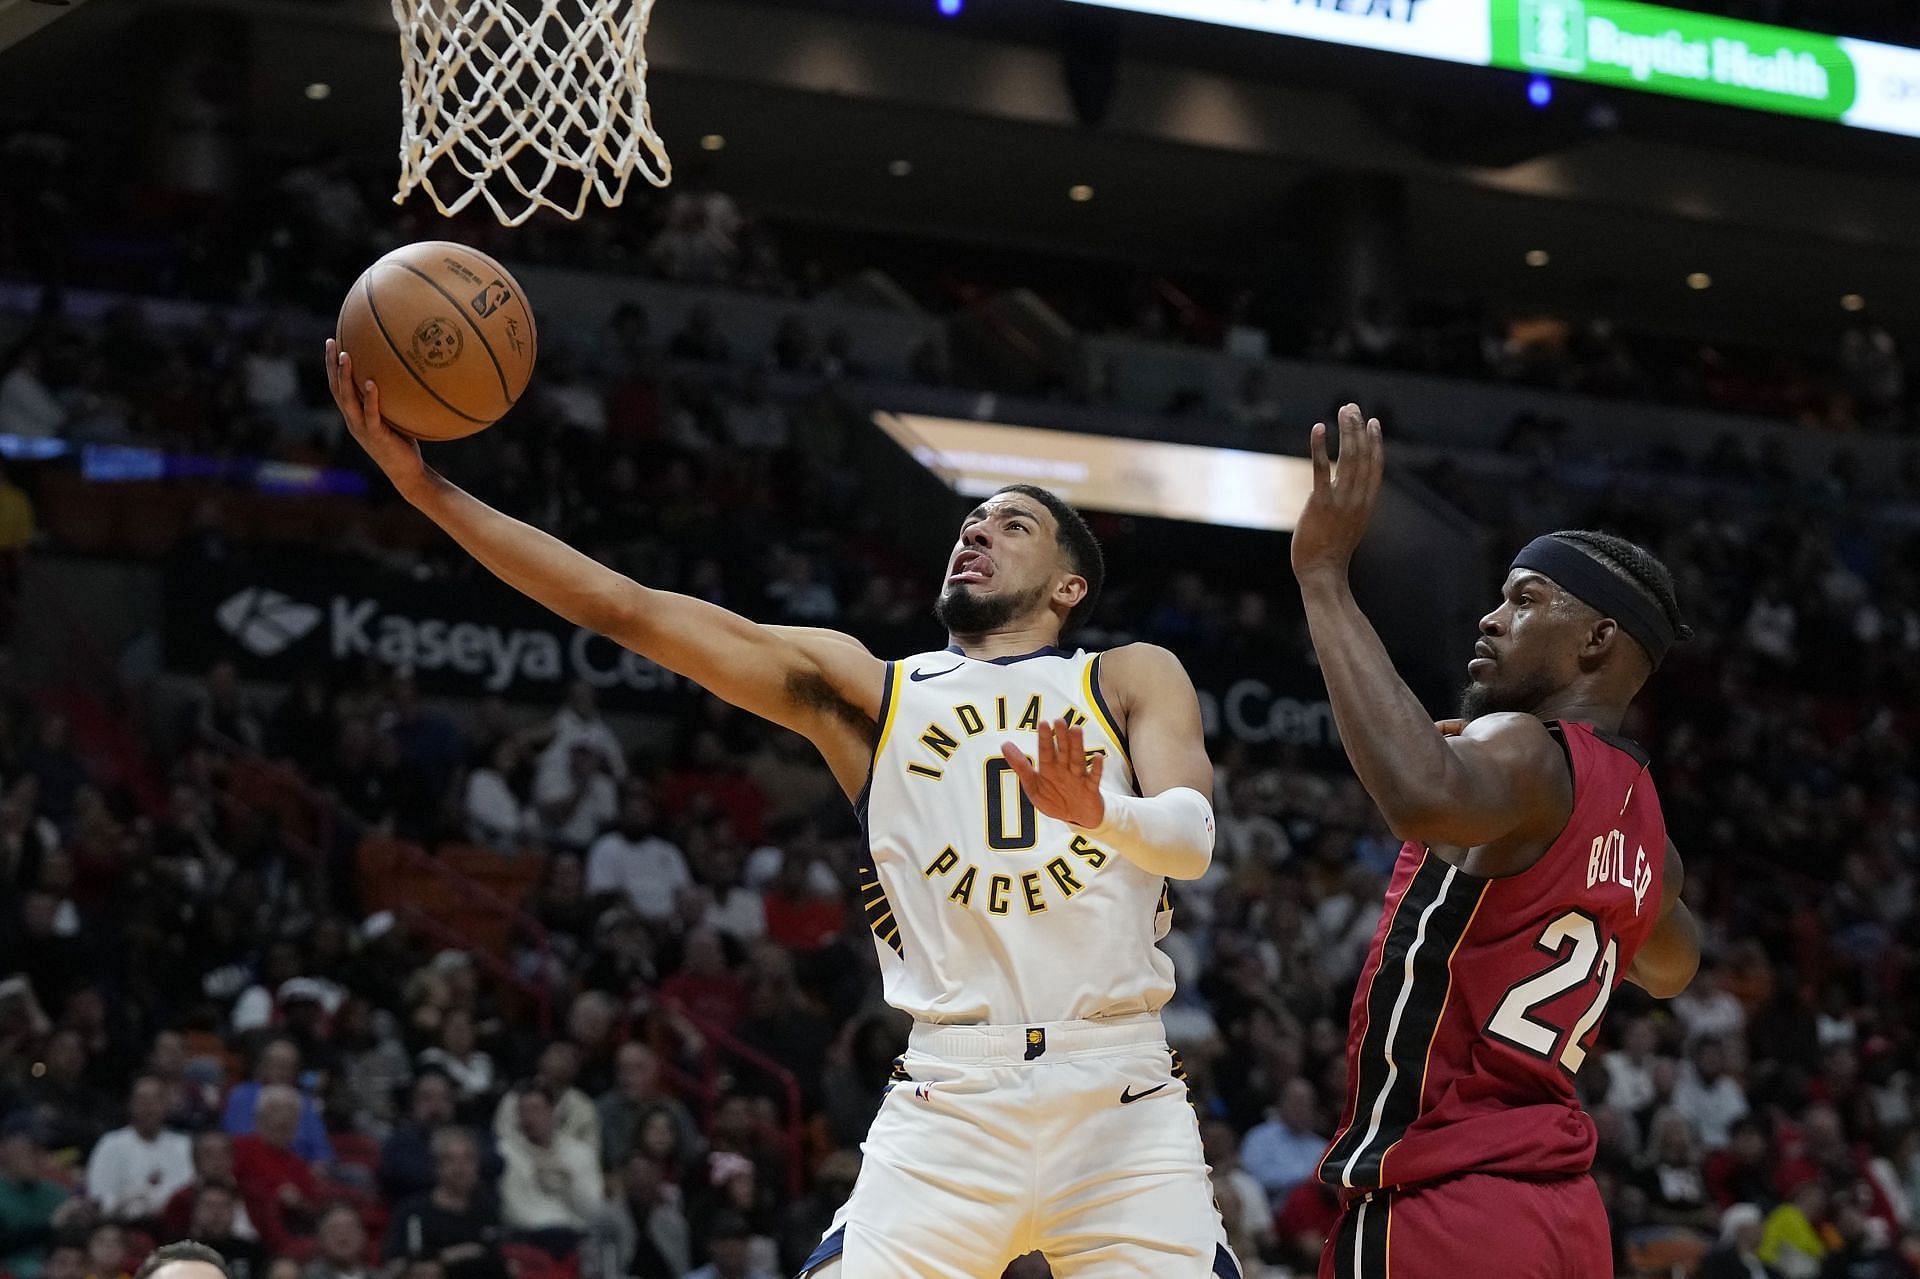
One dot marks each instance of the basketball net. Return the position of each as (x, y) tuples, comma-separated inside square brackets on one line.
[(526, 104)]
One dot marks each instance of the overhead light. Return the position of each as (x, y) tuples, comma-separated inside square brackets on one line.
[(948, 8), (1699, 280), (899, 168), (1079, 193), (317, 91), (713, 142), (1540, 92), (1538, 257), (1853, 302)]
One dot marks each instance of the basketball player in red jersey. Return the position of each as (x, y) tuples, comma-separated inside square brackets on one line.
[(1536, 874)]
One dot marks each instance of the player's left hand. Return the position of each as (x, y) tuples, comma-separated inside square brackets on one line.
[(1062, 783), (1341, 505)]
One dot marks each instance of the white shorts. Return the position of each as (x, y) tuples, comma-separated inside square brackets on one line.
[(1074, 1139)]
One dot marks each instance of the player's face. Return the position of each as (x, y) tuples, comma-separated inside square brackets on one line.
[(1005, 565), (1526, 650)]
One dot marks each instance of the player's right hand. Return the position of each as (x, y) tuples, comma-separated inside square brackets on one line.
[(395, 454)]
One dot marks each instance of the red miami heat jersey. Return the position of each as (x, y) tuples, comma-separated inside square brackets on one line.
[(1480, 998)]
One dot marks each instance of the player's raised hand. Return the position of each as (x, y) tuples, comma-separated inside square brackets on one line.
[(1062, 782), (359, 404), (1341, 505)]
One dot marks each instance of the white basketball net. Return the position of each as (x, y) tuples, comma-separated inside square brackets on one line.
[(512, 94)]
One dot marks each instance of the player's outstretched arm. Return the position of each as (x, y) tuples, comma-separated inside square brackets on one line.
[(1671, 956), (1502, 777), (821, 684)]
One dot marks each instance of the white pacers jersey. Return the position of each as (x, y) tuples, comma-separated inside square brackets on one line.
[(985, 910)]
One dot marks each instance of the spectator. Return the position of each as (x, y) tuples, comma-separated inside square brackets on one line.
[(573, 808), (809, 1220), (1710, 1097), (1630, 1068), (556, 1071), (633, 859), (222, 718), (27, 406), (496, 817), (1742, 1172), (212, 1166), (800, 916), (1674, 1183), (134, 1171), (1250, 1228), (459, 1059), (278, 1064), (65, 1260), (278, 1186), (637, 1093), (705, 985), (107, 1252), (1736, 1256), (1790, 1239), (342, 1246), (406, 1157), (653, 1237), (32, 1206), (727, 1242), (1284, 1149), (551, 1192), (579, 720), (455, 1223), (214, 1221)]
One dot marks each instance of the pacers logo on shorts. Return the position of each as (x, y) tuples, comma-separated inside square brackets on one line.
[(436, 343), (1036, 1042)]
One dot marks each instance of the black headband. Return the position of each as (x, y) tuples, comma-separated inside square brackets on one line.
[(1593, 583)]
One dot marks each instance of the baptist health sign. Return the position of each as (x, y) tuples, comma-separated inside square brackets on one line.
[(1614, 42)]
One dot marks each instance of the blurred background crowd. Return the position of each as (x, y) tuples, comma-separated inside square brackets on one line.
[(349, 972)]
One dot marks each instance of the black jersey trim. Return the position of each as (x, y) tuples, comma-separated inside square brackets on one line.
[(1409, 993)]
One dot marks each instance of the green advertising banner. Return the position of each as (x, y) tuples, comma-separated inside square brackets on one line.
[(1613, 42), (1657, 50)]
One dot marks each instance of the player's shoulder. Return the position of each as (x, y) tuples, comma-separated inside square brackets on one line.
[(1141, 662), (1518, 741)]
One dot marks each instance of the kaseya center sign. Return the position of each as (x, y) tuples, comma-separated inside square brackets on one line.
[(1667, 51)]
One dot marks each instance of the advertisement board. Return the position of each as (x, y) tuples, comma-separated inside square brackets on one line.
[(1644, 47)]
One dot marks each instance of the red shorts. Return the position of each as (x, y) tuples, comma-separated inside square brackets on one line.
[(1471, 1226)]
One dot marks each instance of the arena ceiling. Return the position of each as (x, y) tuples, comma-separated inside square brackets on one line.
[(1190, 168)]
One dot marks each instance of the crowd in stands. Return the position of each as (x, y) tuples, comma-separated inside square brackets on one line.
[(291, 242), (205, 1031)]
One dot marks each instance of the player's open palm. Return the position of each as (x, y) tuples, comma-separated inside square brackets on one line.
[(1061, 780), (359, 404), (1341, 505)]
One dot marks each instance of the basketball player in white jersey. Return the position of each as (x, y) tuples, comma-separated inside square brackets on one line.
[(1025, 807)]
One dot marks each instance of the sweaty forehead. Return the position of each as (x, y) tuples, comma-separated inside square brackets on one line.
[(1003, 506), (1521, 578)]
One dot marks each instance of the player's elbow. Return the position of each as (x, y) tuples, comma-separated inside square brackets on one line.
[(1665, 980)]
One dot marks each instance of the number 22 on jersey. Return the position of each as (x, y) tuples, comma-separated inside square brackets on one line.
[(1574, 940)]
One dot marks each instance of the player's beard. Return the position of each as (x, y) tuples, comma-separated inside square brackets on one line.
[(963, 612), (1522, 695)]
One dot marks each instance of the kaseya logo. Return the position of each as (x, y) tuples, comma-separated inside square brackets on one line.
[(463, 655), (266, 622)]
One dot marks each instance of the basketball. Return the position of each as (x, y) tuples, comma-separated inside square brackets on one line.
[(446, 334)]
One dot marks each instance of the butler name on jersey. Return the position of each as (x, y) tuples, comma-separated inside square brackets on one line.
[(988, 910)]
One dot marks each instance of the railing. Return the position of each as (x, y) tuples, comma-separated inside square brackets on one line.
[(331, 816), (715, 1037)]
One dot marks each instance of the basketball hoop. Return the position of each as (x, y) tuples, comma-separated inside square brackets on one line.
[(531, 103)]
